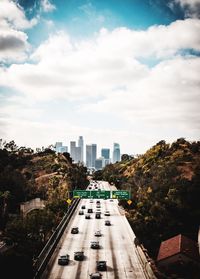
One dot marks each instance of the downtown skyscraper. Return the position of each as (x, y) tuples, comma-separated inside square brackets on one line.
[(116, 153), (76, 152), (80, 145), (91, 155)]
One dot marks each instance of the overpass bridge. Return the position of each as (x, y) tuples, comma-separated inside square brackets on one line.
[(28, 206)]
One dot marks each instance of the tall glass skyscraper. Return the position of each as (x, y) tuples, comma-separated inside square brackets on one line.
[(94, 154), (91, 155), (73, 150), (80, 144), (116, 153), (105, 152)]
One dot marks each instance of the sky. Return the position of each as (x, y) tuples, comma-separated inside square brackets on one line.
[(124, 71)]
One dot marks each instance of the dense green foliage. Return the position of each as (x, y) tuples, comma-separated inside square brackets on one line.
[(165, 188), (25, 175)]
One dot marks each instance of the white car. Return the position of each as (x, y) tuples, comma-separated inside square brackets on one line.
[(98, 233)]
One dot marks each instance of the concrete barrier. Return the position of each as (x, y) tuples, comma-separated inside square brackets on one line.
[(49, 248)]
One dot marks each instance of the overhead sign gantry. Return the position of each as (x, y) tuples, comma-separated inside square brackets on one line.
[(101, 194)]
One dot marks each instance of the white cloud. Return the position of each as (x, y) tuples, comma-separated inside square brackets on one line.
[(102, 80), (192, 7), (14, 16), (13, 40), (191, 3), (47, 6)]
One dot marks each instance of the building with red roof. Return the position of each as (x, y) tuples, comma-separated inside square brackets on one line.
[(177, 252)]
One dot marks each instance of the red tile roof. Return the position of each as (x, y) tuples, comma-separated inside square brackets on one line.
[(178, 244)]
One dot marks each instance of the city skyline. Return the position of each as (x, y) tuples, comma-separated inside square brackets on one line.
[(93, 155), (113, 71)]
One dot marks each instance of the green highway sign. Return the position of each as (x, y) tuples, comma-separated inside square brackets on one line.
[(85, 194), (81, 194), (121, 195), (101, 194)]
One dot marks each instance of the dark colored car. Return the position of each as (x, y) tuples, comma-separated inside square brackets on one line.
[(95, 245), (83, 207), (81, 212), (87, 216), (98, 233), (98, 215), (63, 260), (75, 230), (98, 201), (78, 256), (95, 275), (107, 213), (101, 266), (107, 223), (90, 210)]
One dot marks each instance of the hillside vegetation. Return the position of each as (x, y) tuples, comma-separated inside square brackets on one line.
[(165, 190), (25, 175)]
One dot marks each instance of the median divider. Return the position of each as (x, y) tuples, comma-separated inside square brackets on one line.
[(46, 253)]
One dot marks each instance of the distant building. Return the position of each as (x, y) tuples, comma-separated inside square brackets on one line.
[(80, 144), (99, 163), (105, 152), (106, 162), (91, 155), (176, 252), (88, 156), (72, 149), (77, 156), (57, 146), (116, 153), (60, 148), (63, 149), (94, 154)]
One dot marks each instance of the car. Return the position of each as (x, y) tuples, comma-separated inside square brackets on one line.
[(98, 206), (90, 210), (63, 260), (75, 230), (101, 266), (107, 213), (91, 201), (81, 212), (111, 200), (98, 201), (99, 210), (98, 233), (107, 223), (83, 207), (87, 216), (95, 245), (95, 275), (79, 256), (98, 215)]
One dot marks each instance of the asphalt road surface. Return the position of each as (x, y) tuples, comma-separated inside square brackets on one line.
[(116, 245)]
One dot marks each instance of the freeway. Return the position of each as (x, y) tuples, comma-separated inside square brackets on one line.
[(116, 245)]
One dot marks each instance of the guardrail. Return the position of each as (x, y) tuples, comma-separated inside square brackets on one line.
[(146, 261), (50, 246)]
